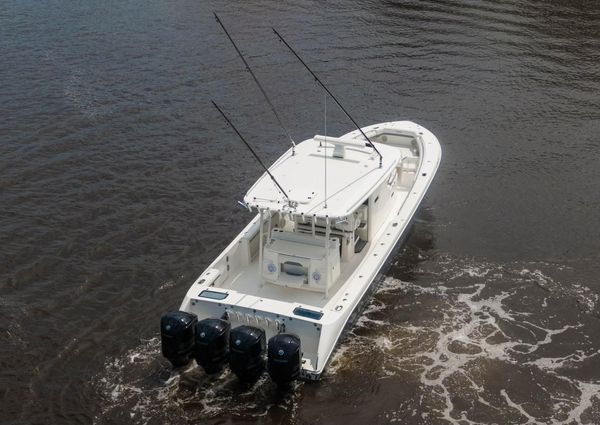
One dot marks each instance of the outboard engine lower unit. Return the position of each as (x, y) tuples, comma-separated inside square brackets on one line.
[(212, 344), (284, 358), (177, 336), (247, 352)]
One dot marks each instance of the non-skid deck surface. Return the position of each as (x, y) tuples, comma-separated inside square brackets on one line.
[(248, 281)]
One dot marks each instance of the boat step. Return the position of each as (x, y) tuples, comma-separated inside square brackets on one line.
[(360, 244)]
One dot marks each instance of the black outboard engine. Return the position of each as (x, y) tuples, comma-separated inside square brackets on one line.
[(212, 344), (247, 352), (177, 336), (284, 358)]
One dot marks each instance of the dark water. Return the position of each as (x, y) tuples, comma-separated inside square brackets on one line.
[(118, 185)]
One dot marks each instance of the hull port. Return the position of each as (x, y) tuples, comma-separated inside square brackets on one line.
[(284, 359), (247, 352), (177, 329), (212, 344)]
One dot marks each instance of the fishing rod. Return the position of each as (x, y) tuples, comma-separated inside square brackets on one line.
[(285, 130), (330, 94), (251, 150)]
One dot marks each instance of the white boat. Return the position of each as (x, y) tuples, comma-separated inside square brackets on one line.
[(329, 218)]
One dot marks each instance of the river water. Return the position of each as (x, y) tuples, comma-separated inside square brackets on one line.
[(119, 182)]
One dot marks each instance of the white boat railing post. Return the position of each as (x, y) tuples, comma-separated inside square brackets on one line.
[(260, 247), (269, 216), (327, 271)]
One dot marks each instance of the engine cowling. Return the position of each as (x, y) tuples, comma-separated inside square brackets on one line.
[(177, 329), (212, 344), (284, 358), (247, 352)]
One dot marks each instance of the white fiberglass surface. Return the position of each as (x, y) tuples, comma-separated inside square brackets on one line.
[(357, 273), (350, 179), (249, 281)]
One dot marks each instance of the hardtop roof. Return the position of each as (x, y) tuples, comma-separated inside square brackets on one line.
[(350, 180)]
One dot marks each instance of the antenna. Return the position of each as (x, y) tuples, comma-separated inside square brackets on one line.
[(325, 149), (285, 130), (330, 94), (251, 150)]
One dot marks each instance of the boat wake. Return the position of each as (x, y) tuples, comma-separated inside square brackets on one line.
[(483, 343), (140, 387), (452, 341)]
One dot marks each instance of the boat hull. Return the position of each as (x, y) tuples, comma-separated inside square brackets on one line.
[(363, 302), (228, 288)]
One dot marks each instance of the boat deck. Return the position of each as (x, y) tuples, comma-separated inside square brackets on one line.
[(249, 282)]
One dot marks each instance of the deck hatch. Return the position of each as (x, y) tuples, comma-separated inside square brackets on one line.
[(310, 314), (213, 295)]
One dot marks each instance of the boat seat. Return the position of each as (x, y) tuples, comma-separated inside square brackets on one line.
[(320, 230), (301, 261), (407, 170), (409, 164)]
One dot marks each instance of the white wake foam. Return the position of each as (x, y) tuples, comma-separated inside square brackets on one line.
[(486, 319)]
